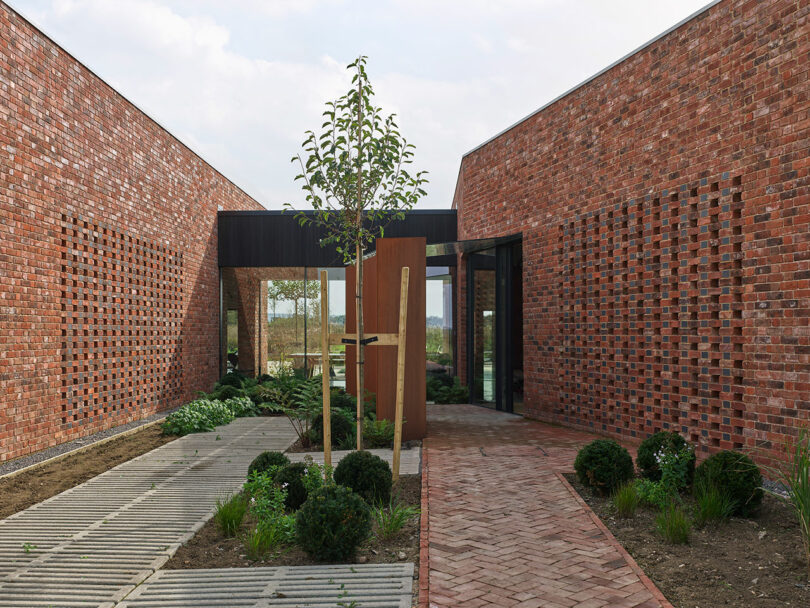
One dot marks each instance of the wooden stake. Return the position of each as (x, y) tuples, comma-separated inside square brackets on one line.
[(403, 321), (327, 396)]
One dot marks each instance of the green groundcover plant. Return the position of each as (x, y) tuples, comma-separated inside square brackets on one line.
[(203, 415)]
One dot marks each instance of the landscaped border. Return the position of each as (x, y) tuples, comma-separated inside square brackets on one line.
[(161, 416), (651, 587), (424, 537)]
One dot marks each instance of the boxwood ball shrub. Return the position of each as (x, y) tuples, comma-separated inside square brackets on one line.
[(291, 478), (223, 393), (342, 427), (367, 474), (736, 474), (232, 379), (668, 441), (604, 465), (265, 460), (332, 523)]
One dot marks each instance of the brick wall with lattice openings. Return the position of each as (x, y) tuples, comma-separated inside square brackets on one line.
[(122, 315), (651, 312)]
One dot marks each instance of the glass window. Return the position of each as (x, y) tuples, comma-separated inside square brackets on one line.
[(439, 321)]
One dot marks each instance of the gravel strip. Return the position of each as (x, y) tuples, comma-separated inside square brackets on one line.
[(69, 446), (776, 488)]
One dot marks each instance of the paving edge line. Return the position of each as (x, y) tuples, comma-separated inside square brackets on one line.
[(424, 537), (83, 448), (651, 587)]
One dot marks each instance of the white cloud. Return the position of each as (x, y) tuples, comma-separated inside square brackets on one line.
[(241, 81)]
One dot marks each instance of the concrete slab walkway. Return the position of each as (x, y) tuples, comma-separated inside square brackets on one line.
[(366, 586), (505, 529), (410, 461), (91, 545)]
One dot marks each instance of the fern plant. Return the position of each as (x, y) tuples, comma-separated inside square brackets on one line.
[(305, 405)]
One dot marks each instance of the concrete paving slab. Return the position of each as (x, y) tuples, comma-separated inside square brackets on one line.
[(90, 545), (369, 585), (410, 461)]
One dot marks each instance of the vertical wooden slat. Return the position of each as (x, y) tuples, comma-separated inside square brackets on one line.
[(403, 322), (327, 418)]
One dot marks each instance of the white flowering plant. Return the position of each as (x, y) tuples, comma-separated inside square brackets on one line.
[(674, 466)]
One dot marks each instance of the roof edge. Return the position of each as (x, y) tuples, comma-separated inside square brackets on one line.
[(595, 76), (118, 93)]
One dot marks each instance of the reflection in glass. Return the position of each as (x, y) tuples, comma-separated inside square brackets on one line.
[(294, 321), (336, 278), (439, 321), (484, 336)]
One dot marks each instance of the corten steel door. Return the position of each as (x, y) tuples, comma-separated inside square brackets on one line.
[(495, 327), (381, 283)]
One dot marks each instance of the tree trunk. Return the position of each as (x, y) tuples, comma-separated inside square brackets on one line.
[(359, 266), (296, 323), (358, 308)]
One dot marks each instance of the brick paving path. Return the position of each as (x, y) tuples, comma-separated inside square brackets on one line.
[(505, 529)]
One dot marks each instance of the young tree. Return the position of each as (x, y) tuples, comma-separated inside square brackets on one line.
[(355, 176), (295, 291)]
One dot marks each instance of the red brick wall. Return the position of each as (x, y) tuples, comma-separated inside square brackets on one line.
[(665, 212), (109, 297)]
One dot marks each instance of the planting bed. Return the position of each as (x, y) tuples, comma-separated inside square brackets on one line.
[(211, 549), (742, 563), (39, 483)]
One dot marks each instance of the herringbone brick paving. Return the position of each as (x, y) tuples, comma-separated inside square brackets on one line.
[(505, 531)]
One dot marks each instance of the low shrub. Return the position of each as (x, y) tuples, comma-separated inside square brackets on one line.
[(332, 523), (662, 442), (436, 382), (229, 513), (655, 493), (196, 417), (340, 399), (291, 479), (378, 433), (712, 504), (223, 393), (457, 393), (264, 378), (266, 461), (673, 524), (342, 427), (260, 484), (257, 394), (234, 379), (367, 474), (736, 474), (626, 500), (445, 359), (604, 465)]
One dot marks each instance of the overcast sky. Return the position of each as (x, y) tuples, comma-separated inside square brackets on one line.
[(239, 81)]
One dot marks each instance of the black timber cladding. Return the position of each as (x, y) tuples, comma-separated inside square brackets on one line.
[(276, 238)]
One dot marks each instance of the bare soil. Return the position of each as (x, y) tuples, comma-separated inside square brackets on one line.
[(209, 548), (49, 479), (740, 564)]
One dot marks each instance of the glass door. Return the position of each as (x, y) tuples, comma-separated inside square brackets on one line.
[(482, 317), (495, 327)]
